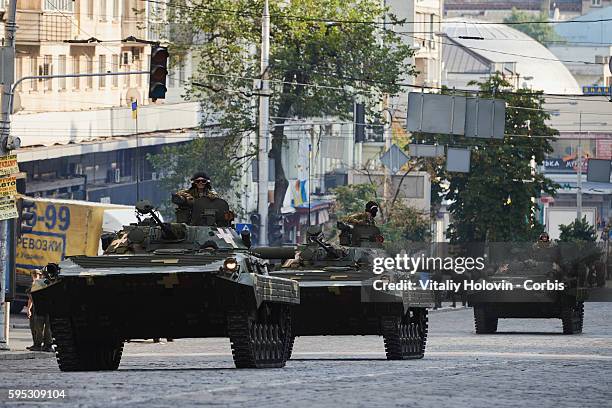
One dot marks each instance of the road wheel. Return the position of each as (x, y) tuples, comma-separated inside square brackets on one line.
[(484, 322), (572, 318), (260, 339), (289, 350), (72, 355), (405, 336)]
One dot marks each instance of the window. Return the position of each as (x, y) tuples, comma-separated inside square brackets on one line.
[(596, 3), (102, 68), (33, 69), (90, 9), (115, 78), (181, 74), (171, 73), (62, 71), (58, 5), (431, 26), (139, 77), (89, 71), (115, 9), (103, 10), (47, 69), (76, 69)]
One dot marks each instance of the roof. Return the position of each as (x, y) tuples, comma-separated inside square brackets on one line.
[(597, 32), (504, 44), (480, 5)]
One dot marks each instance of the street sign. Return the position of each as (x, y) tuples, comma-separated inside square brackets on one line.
[(458, 160), (598, 170), (394, 158), (433, 113), (485, 118), (8, 165), (244, 227), (424, 150)]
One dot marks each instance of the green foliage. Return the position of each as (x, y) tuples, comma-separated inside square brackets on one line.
[(578, 230), (353, 198), (493, 202), (540, 32), (317, 68), (176, 164), (405, 224)]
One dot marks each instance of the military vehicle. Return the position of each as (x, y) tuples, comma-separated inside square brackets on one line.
[(547, 280), (337, 295), (167, 280)]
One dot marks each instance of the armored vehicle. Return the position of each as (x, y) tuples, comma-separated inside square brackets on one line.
[(167, 280), (533, 281), (337, 296)]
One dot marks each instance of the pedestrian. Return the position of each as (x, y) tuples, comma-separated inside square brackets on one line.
[(39, 324)]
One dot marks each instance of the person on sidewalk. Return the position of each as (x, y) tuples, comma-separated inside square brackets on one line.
[(39, 324)]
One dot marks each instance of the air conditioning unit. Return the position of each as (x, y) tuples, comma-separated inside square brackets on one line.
[(117, 178), (153, 176)]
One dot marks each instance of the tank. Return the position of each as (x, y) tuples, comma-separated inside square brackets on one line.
[(337, 295), (167, 280), (547, 281)]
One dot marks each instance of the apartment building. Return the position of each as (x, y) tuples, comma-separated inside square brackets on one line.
[(79, 136), (57, 37)]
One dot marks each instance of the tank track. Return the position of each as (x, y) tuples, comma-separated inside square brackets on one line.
[(483, 322), (74, 356), (290, 347), (405, 336), (257, 343), (572, 318)]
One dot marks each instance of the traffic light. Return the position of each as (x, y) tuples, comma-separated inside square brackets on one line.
[(255, 222), (158, 70), (26, 209), (276, 229)]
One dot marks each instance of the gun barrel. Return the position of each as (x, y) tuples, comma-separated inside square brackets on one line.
[(274, 252)]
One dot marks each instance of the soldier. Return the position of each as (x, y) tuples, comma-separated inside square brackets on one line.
[(192, 204), (363, 218), (39, 324)]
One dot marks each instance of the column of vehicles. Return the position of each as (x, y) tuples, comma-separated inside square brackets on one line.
[(176, 280), (203, 279)]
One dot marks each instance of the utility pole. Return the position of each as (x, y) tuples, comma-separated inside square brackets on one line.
[(264, 132), (579, 158), (5, 144)]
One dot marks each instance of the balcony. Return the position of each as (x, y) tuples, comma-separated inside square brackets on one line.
[(36, 27), (134, 28)]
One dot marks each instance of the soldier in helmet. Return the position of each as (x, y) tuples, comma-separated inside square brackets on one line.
[(193, 203), (363, 218)]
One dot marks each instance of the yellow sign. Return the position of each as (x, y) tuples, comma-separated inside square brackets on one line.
[(8, 208), (8, 187), (59, 230), (8, 165)]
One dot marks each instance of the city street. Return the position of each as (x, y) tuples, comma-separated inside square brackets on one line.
[(528, 364)]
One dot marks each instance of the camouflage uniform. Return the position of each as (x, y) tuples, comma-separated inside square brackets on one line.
[(183, 212), (360, 218)]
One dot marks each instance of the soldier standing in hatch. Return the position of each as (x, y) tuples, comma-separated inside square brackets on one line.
[(363, 218), (200, 195)]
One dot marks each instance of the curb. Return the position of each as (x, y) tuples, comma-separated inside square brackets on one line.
[(449, 309), (24, 355)]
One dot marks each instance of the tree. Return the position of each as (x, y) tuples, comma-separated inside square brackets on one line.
[(177, 163), (495, 200), (324, 55), (542, 33), (578, 230), (404, 224)]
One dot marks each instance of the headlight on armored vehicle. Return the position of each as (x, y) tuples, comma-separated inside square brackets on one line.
[(230, 265)]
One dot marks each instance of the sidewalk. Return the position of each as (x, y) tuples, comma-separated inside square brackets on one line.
[(20, 338)]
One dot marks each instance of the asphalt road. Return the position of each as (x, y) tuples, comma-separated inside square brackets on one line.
[(529, 364)]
